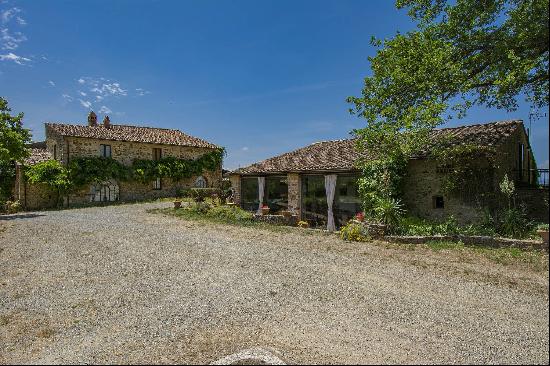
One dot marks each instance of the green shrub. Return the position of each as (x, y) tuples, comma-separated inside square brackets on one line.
[(513, 222), (183, 193), (388, 211), (542, 227), (229, 214), (354, 231), (420, 227), (12, 206), (200, 194), (200, 208)]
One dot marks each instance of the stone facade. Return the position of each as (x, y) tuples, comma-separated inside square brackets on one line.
[(65, 148), (33, 196), (424, 195)]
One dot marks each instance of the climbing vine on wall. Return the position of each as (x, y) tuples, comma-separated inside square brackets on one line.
[(88, 170), (468, 172)]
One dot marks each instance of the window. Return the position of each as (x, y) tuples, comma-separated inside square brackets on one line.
[(157, 153), (438, 202), (200, 182), (105, 150), (54, 152), (276, 193), (157, 184), (347, 202), (249, 193)]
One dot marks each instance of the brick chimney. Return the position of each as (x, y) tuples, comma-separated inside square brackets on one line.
[(92, 119), (106, 122)]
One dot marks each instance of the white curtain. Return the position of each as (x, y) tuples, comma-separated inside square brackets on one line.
[(261, 187), (330, 186)]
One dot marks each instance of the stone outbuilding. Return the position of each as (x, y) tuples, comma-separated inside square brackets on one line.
[(320, 180), (123, 143)]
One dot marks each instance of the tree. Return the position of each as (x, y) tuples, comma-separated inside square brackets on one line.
[(13, 140), (13, 137), (53, 174), (469, 53), (463, 53)]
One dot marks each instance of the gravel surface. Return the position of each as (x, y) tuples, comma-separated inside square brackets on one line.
[(120, 285)]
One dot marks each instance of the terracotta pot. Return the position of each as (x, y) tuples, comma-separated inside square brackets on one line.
[(177, 204), (265, 210), (544, 235)]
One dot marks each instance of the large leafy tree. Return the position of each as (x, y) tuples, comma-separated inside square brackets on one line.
[(13, 140), (462, 53)]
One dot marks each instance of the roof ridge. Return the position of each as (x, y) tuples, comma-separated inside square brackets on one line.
[(506, 121)]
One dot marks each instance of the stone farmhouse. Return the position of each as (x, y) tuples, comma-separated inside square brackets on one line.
[(119, 142), (301, 180)]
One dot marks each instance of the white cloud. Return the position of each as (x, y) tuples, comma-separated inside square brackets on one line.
[(81, 81), (141, 92), (245, 148), (82, 93), (51, 83), (105, 110), (7, 15), (85, 103), (67, 97), (11, 41), (21, 21), (20, 60)]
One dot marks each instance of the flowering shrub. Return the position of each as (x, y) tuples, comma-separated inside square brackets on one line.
[(354, 231)]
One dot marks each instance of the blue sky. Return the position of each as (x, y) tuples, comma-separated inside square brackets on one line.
[(258, 77)]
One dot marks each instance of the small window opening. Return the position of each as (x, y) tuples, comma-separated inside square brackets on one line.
[(438, 202), (157, 184)]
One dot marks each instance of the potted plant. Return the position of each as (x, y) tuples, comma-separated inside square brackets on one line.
[(265, 209), (177, 203), (542, 230)]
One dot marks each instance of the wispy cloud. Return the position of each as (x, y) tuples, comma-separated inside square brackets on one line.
[(85, 103), (67, 97), (51, 83), (142, 92), (94, 91), (105, 110), (10, 40), (7, 14), (245, 148), (20, 60)]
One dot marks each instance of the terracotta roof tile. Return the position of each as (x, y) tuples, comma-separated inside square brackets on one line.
[(341, 155), (38, 154), (130, 133)]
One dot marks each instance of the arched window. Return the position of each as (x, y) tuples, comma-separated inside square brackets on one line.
[(107, 191), (200, 182)]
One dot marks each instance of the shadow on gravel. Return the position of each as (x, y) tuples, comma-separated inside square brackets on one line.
[(18, 216)]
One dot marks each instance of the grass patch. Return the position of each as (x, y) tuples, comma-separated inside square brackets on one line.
[(505, 256), (226, 215)]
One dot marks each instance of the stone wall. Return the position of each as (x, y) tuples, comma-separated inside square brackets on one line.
[(33, 196), (236, 185), (535, 201), (294, 193), (422, 184)]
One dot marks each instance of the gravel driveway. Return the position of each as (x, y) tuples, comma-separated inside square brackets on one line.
[(120, 285)]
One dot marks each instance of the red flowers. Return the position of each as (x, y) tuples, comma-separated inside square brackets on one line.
[(360, 216)]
